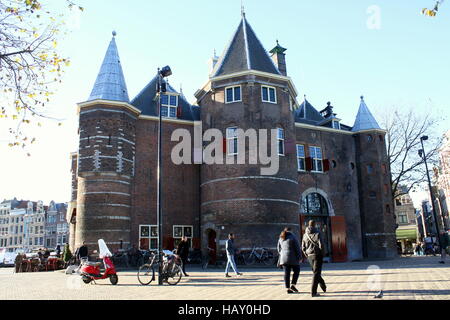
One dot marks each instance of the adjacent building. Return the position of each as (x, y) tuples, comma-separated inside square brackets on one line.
[(442, 182), (407, 231), (331, 172), (25, 225)]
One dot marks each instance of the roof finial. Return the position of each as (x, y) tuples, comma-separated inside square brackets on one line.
[(242, 9), (114, 33), (362, 97)]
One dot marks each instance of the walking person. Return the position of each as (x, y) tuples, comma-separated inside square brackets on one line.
[(444, 244), (312, 247), (58, 251), (289, 258), (183, 252), (231, 251)]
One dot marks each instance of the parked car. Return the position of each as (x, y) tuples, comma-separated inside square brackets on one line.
[(7, 258)]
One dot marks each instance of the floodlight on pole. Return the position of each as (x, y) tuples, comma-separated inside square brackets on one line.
[(161, 87)]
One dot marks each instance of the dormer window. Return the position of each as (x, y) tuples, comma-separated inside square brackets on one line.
[(233, 94), (336, 125), (169, 104), (268, 94)]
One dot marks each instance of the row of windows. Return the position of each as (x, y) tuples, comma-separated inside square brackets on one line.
[(38, 241), (315, 156), (232, 141), (148, 235), (234, 94)]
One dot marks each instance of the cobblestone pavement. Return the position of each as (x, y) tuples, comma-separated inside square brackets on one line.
[(420, 278)]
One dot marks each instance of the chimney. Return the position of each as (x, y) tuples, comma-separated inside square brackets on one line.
[(279, 58)]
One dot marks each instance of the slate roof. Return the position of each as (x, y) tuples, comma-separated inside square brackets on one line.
[(364, 120), (145, 101), (110, 83), (244, 52), (306, 113)]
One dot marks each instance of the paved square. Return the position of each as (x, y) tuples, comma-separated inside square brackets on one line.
[(420, 278)]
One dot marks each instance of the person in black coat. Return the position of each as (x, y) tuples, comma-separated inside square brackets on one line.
[(83, 252), (183, 252), (289, 258)]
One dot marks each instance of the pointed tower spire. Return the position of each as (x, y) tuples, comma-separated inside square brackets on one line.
[(244, 52), (110, 83), (364, 120)]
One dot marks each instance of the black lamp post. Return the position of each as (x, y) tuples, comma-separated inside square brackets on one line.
[(161, 88), (423, 155)]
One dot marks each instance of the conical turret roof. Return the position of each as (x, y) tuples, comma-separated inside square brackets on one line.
[(365, 120), (244, 52), (110, 83)]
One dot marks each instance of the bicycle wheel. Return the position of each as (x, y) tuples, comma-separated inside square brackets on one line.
[(174, 275), (146, 274), (268, 259), (250, 259)]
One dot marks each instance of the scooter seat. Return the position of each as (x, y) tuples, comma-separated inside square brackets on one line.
[(93, 264)]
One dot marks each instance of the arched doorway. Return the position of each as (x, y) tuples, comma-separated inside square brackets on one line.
[(212, 246), (315, 207)]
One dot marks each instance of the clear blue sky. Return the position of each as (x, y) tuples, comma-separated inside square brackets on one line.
[(332, 56)]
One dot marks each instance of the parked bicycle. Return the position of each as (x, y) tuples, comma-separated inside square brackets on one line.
[(260, 255), (171, 269)]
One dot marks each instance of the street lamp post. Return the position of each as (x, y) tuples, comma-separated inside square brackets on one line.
[(423, 155), (161, 87)]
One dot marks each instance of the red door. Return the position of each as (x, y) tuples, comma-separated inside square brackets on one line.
[(339, 239)]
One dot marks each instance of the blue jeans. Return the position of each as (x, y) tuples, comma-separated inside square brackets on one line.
[(231, 263)]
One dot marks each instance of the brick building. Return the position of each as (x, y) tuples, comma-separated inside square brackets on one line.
[(328, 171), (56, 226)]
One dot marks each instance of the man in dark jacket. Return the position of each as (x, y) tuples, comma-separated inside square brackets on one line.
[(231, 251), (183, 251), (312, 247), (83, 252)]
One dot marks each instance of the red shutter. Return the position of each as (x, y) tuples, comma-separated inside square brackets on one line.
[(308, 163), (224, 145), (179, 111), (326, 165)]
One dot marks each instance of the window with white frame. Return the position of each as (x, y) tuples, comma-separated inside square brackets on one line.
[(232, 141), (233, 94), (316, 157), (180, 232), (268, 94), (336, 124), (301, 165), (169, 104), (280, 138), (148, 237)]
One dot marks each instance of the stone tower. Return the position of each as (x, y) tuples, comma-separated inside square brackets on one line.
[(247, 91), (106, 158), (376, 203)]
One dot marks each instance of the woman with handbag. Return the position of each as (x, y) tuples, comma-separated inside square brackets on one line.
[(289, 258)]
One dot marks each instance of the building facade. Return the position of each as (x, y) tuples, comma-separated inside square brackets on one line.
[(407, 231), (56, 226), (442, 182), (27, 226), (333, 173)]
